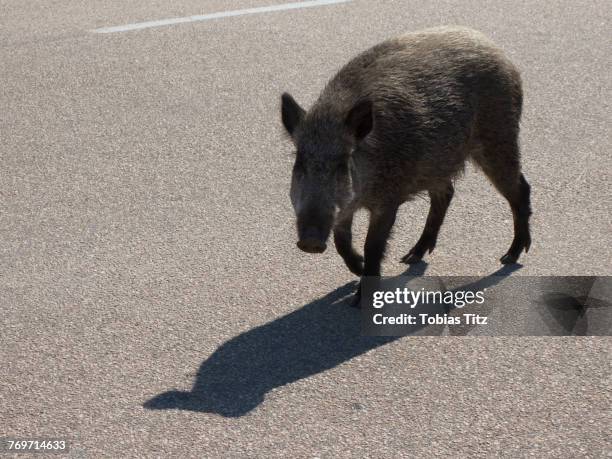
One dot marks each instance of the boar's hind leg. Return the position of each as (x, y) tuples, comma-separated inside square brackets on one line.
[(343, 239), (500, 162), (439, 202), (521, 210)]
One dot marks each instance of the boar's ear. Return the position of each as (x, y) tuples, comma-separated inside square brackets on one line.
[(360, 119), (292, 113)]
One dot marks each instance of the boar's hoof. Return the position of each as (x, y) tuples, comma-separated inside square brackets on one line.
[(416, 253), (411, 259), (508, 259), (355, 264)]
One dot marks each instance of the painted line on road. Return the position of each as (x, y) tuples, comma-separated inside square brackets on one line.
[(219, 15)]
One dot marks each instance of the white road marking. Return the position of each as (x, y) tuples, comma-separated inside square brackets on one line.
[(219, 15)]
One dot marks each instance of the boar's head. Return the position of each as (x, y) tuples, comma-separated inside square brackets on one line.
[(324, 138)]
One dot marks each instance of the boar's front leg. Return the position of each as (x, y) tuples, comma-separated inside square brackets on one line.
[(379, 230), (439, 202), (343, 239)]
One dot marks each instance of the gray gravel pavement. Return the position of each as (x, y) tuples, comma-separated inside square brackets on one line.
[(147, 242)]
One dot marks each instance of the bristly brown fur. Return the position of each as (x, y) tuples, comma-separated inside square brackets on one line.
[(438, 98)]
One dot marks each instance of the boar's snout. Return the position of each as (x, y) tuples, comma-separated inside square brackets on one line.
[(315, 214), (312, 239), (312, 244)]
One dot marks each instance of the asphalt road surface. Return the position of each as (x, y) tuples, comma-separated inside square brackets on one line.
[(153, 301)]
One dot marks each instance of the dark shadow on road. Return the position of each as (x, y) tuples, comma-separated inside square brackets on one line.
[(565, 307), (486, 308), (319, 336)]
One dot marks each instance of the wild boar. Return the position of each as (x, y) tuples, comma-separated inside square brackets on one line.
[(398, 120)]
